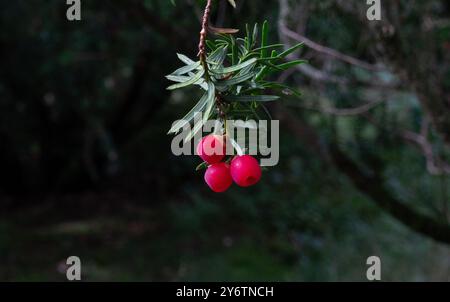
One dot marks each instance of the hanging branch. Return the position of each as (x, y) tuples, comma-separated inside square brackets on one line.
[(233, 78), (203, 34)]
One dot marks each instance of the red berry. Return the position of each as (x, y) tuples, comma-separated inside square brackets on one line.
[(212, 148), (245, 170), (218, 177)]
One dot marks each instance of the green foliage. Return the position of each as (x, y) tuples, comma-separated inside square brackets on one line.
[(235, 71), (84, 115)]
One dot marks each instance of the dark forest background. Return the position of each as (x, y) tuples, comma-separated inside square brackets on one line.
[(86, 167)]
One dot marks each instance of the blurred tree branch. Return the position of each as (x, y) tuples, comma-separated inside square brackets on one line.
[(372, 186), (414, 54), (320, 48), (369, 183), (435, 164), (415, 61), (308, 70)]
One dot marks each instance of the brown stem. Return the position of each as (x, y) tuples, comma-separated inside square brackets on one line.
[(204, 31), (203, 34), (202, 56)]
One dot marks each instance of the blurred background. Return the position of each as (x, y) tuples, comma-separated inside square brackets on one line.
[(86, 167)]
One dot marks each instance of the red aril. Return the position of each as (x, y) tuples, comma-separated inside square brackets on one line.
[(218, 177), (245, 170), (212, 148)]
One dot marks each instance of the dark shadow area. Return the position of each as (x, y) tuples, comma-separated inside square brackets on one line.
[(86, 166)]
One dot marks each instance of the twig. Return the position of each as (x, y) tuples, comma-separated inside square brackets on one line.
[(345, 111), (284, 10), (435, 164), (329, 51), (204, 32), (320, 75), (313, 72)]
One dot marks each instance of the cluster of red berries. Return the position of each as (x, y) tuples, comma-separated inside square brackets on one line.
[(244, 170)]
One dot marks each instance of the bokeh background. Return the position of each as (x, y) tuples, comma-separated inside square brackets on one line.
[(86, 167)]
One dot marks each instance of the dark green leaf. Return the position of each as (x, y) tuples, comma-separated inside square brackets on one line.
[(252, 98), (283, 88), (236, 80), (186, 69), (185, 59), (264, 39), (201, 166), (287, 52), (191, 81), (211, 45), (291, 64), (233, 3), (248, 38), (197, 127), (235, 67), (182, 79), (210, 101), (268, 47), (234, 51), (218, 56), (255, 34), (199, 107), (268, 67)]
